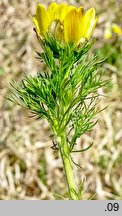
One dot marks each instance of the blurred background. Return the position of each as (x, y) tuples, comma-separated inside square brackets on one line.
[(29, 168)]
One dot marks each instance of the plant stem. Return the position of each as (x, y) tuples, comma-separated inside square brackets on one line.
[(68, 168)]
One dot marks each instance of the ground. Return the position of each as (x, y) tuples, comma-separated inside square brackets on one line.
[(29, 168)]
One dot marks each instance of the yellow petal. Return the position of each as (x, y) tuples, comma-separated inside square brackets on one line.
[(61, 12), (89, 22), (42, 18), (73, 26), (80, 9), (51, 10), (34, 20), (70, 8)]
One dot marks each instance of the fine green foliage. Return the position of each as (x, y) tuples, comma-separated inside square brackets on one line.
[(66, 95)]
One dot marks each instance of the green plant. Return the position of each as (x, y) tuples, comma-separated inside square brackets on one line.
[(66, 95)]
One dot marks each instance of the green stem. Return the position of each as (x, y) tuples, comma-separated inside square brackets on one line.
[(67, 163)]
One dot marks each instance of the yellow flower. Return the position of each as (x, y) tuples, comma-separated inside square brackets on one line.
[(113, 28), (116, 29), (108, 34), (65, 22)]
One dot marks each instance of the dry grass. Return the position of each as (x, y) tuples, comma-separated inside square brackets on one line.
[(29, 168)]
